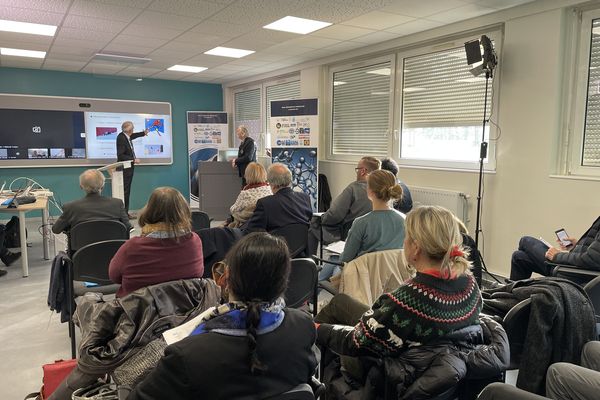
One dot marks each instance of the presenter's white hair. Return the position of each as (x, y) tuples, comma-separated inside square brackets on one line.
[(243, 129), (91, 181), (126, 124)]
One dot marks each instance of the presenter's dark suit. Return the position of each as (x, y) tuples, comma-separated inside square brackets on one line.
[(246, 155), (92, 206), (125, 152), (284, 208)]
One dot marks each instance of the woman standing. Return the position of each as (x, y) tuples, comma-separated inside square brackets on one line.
[(246, 152)]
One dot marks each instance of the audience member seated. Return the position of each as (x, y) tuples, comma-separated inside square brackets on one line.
[(405, 204), (252, 347), (350, 204), (167, 250), (7, 256), (533, 253), (256, 188), (92, 206), (284, 207), (564, 381), (443, 297), (380, 229)]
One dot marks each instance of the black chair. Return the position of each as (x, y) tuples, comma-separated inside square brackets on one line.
[(296, 237), (515, 323), (592, 289), (90, 264), (300, 392), (579, 275), (93, 231), (200, 220), (302, 285)]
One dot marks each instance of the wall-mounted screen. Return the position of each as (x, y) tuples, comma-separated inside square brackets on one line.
[(64, 131)]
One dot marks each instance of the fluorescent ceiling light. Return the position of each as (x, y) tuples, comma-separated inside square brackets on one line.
[(297, 25), (186, 68), (121, 58), (22, 53), (228, 52), (413, 89), (381, 71), (338, 83), (27, 27)]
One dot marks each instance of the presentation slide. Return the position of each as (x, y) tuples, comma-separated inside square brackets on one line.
[(102, 129)]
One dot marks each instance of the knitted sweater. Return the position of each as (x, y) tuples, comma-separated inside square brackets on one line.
[(423, 309)]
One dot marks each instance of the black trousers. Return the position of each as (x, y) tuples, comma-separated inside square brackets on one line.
[(127, 179), (530, 257)]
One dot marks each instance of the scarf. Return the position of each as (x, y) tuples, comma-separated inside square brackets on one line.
[(230, 319), (255, 185), (161, 231)]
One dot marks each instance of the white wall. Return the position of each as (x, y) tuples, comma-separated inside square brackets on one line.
[(521, 197)]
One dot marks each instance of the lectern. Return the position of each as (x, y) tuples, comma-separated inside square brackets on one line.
[(114, 173)]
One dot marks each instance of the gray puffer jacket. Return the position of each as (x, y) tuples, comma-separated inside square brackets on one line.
[(586, 253)]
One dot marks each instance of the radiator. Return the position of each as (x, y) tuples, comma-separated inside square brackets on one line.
[(457, 202)]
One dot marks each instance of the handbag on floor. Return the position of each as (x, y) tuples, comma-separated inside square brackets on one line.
[(54, 374)]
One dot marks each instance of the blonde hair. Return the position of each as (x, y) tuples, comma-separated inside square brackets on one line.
[(437, 232), (383, 184), (371, 163), (255, 173)]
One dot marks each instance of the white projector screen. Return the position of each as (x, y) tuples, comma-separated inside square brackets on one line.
[(42, 131)]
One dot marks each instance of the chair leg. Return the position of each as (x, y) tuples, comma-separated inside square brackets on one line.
[(72, 336)]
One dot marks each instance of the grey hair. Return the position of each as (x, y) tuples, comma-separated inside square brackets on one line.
[(278, 175), (125, 125), (243, 129), (91, 181)]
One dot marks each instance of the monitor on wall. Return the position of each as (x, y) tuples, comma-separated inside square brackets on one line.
[(37, 131)]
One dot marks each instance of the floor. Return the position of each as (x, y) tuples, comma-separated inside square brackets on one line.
[(30, 334)]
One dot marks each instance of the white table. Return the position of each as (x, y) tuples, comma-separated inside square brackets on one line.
[(22, 210)]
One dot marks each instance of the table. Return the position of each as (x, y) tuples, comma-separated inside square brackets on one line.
[(40, 204)]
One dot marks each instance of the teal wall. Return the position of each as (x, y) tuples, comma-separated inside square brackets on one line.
[(183, 96)]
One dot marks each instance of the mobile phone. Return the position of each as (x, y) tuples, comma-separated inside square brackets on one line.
[(561, 234)]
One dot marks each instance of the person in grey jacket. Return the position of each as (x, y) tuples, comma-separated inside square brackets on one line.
[(350, 204), (532, 254)]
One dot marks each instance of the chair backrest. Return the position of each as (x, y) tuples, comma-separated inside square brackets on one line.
[(592, 289), (296, 237), (515, 323), (90, 263), (93, 231), (302, 283), (200, 220), (300, 392), (345, 229)]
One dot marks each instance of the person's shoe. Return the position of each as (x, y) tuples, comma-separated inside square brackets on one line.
[(3, 272), (10, 257)]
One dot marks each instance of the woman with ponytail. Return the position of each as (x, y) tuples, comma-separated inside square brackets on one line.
[(251, 347), (443, 296)]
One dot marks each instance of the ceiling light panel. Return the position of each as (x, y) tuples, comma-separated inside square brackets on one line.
[(228, 52), (187, 68), (302, 26), (27, 27), (22, 53)]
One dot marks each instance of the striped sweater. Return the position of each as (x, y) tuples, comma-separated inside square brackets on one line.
[(423, 309)]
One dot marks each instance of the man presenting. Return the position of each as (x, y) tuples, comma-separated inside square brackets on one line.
[(125, 152)]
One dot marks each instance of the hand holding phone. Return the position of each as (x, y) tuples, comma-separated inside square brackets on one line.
[(563, 239)]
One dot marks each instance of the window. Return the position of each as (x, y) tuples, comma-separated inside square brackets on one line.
[(281, 91), (442, 109), (360, 117), (247, 112)]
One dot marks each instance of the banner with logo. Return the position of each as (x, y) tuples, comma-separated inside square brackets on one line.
[(294, 128), (207, 133)]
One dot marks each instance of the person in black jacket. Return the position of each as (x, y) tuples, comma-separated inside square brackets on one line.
[(284, 207), (246, 152), (126, 152), (532, 254), (250, 348)]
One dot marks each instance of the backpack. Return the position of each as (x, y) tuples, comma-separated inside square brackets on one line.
[(12, 238)]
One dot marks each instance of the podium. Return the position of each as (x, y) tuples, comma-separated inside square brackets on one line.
[(114, 173), (219, 186)]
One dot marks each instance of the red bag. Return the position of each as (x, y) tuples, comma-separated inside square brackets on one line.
[(54, 374)]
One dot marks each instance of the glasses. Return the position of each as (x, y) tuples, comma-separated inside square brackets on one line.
[(358, 169)]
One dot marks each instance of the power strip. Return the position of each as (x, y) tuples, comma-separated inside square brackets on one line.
[(42, 193)]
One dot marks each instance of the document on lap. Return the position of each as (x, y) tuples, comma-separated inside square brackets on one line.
[(336, 247)]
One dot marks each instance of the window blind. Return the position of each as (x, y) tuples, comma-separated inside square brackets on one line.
[(247, 106), (282, 91), (591, 134), (360, 116)]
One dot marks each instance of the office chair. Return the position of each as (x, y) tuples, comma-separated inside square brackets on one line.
[(93, 231), (302, 285), (296, 237)]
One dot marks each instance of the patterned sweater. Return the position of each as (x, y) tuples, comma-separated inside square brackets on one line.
[(423, 309), (244, 205)]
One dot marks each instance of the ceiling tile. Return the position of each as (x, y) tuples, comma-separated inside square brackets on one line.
[(285, 49), (135, 50), (170, 75), (130, 3), (94, 9), (205, 60), (20, 62), (55, 55), (218, 28), (329, 11), (151, 31), (418, 25), (139, 71), (139, 41), (93, 24), (189, 8), (85, 44), (61, 67), (97, 68), (169, 56), (367, 5), (28, 15), (378, 20), (501, 4), (421, 9), (188, 48), (343, 46), (269, 35), (262, 56), (57, 6), (84, 34), (342, 32), (6, 38), (253, 13), (247, 44), (313, 42), (461, 13), (177, 22), (376, 37), (57, 62), (200, 77), (77, 51), (202, 38)]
